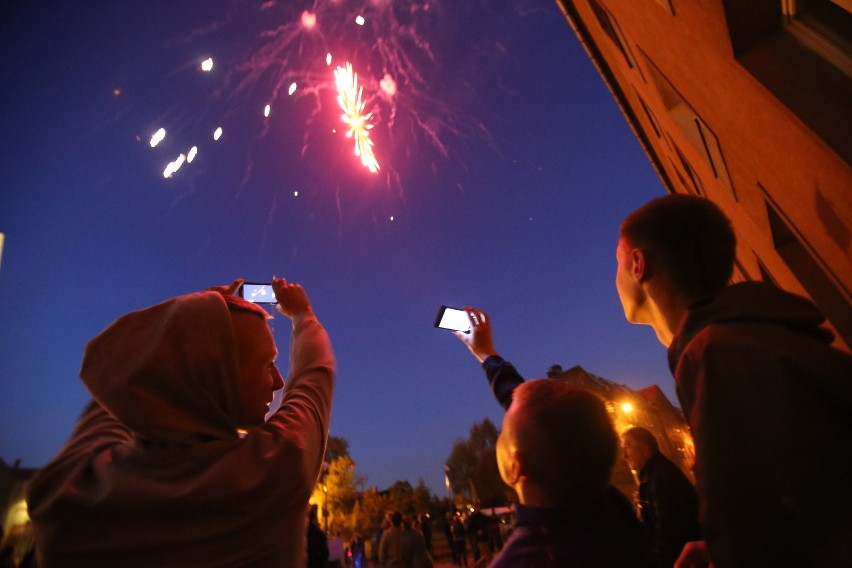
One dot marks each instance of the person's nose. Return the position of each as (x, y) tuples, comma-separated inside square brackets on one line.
[(277, 380)]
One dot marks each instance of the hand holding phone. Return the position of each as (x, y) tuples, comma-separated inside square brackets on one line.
[(473, 330)]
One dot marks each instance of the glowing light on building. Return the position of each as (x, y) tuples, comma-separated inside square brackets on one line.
[(349, 97)]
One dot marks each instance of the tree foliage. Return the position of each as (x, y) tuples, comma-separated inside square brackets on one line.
[(472, 467), (346, 508)]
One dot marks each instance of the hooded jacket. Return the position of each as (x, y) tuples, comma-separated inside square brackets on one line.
[(156, 473), (769, 402)]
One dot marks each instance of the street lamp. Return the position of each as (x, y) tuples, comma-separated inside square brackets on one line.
[(447, 483), (325, 507)]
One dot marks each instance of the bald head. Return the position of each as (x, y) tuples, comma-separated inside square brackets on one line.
[(559, 438)]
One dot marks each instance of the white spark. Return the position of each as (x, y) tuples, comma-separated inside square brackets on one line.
[(217, 133), (173, 167), (158, 137), (359, 20), (292, 89), (191, 154), (207, 64), (266, 110)]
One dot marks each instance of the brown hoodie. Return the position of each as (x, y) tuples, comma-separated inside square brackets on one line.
[(155, 473)]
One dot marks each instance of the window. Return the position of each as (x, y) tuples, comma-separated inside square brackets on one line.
[(790, 44), (650, 115), (832, 300), (610, 26), (693, 128)]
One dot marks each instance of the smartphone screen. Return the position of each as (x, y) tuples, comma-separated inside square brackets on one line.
[(258, 293), (452, 318)]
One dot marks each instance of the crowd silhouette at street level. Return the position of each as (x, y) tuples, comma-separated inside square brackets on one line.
[(174, 464)]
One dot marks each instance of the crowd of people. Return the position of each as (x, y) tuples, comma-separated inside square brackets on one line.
[(174, 463)]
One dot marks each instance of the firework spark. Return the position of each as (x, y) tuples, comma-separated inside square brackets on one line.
[(349, 97)]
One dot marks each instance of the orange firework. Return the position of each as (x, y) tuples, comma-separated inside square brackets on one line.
[(349, 99)]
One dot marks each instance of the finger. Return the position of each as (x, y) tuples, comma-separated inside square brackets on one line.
[(235, 285)]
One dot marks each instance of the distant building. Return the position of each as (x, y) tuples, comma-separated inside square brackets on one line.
[(747, 103), (647, 407)]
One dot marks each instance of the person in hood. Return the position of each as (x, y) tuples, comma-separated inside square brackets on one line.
[(173, 462), (768, 399)]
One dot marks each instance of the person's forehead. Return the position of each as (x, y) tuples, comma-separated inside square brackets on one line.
[(252, 329)]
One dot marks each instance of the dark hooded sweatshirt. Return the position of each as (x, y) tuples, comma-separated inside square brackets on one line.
[(769, 402), (156, 474)]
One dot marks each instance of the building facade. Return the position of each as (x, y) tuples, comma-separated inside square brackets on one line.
[(647, 407), (749, 104)]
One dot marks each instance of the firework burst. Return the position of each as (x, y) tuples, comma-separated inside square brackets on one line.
[(349, 97)]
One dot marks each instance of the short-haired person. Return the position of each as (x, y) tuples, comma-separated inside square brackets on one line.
[(172, 463), (668, 504), (769, 401), (556, 450)]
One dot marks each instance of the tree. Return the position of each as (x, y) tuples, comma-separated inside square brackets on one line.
[(335, 448), (473, 467), (337, 493)]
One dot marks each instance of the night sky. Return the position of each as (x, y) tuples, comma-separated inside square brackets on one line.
[(506, 168)]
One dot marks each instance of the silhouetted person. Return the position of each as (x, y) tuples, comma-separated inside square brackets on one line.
[(173, 463), (317, 541), (769, 401), (668, 504), (556, 450)]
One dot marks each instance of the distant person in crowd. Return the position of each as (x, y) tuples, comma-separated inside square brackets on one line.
[(668, 504), (414, 545), (391, 547), (556, 449), (459, 540), (317, 541), (357, 551), (449, 519), (173, 463), (426, 529), (477, 531), (769, 401)]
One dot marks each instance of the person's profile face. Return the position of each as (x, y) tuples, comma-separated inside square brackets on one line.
[(258, 377), (636, 455), (630, 293)]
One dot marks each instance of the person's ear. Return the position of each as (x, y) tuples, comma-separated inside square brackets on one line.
[(516, 468), (639, 262)]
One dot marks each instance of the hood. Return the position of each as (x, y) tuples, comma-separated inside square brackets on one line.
[(168, 372), (750, 302)]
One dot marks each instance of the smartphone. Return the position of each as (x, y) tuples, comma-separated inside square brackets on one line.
[(452, 318), (258, 293)]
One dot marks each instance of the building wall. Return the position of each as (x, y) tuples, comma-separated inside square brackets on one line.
[(728, 103), (629, 408)]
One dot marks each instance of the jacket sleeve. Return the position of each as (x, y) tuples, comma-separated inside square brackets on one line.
[(503, 379), (305, 411)]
